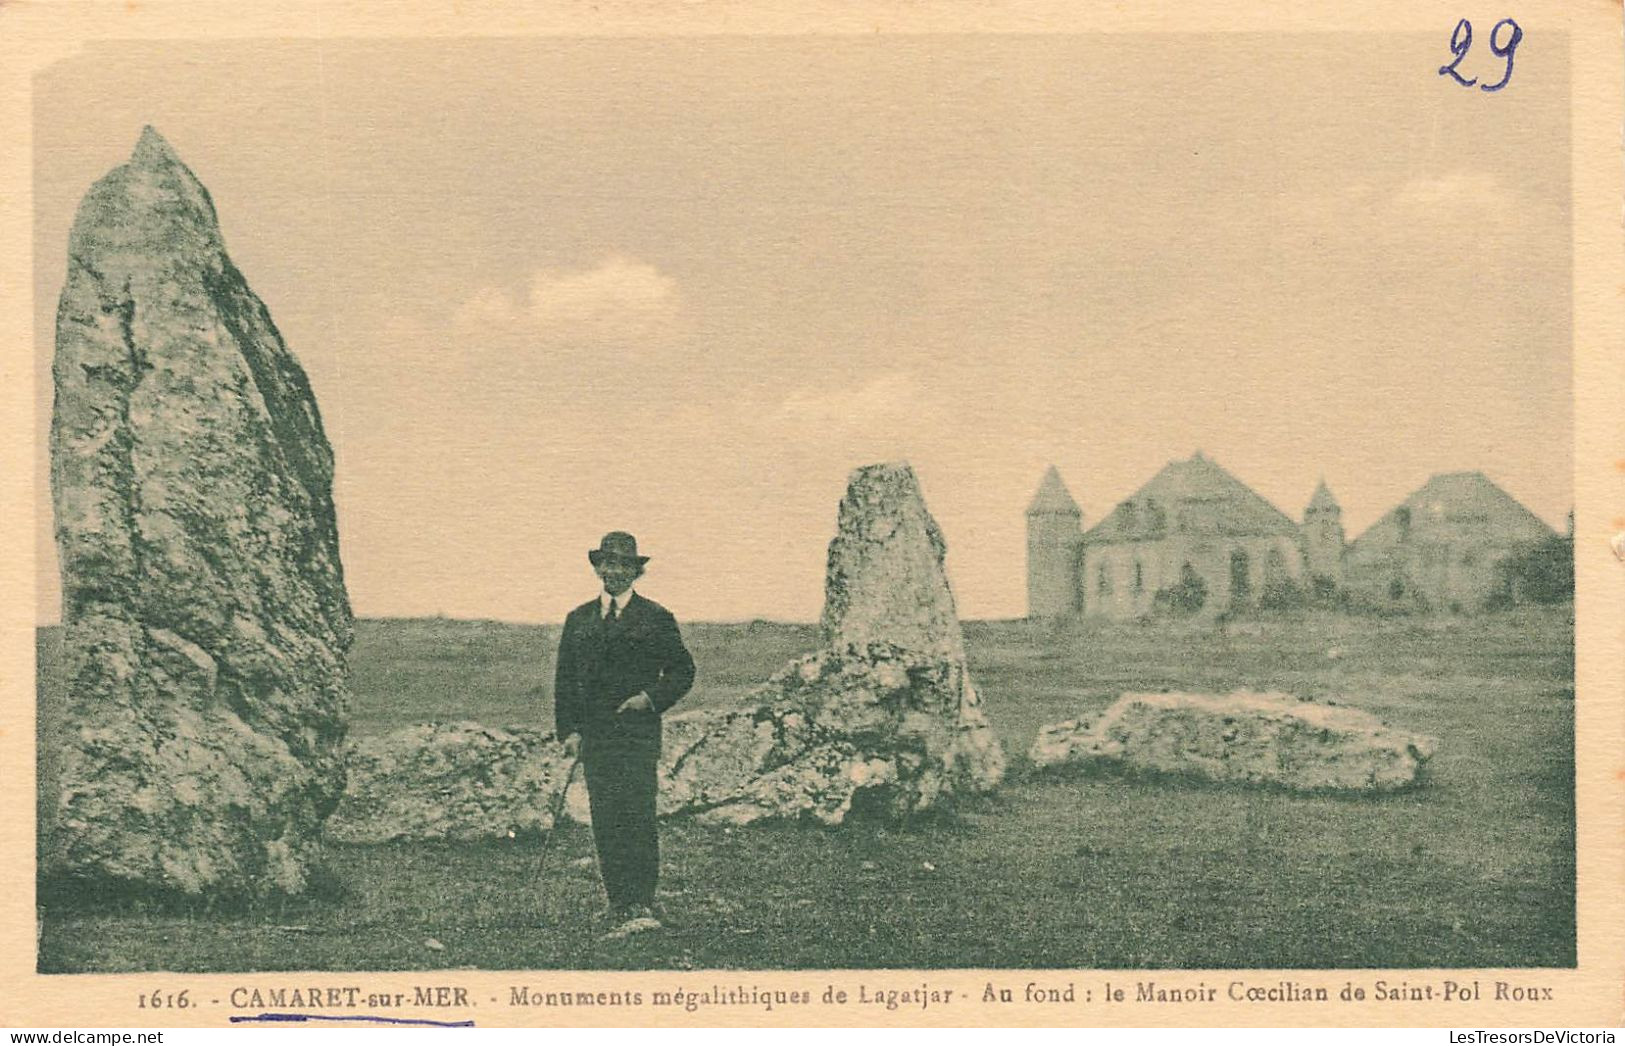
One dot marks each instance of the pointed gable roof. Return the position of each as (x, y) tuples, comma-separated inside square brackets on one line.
[(1458, 501), (1322, 500), (1053, 498), (1229, 505)]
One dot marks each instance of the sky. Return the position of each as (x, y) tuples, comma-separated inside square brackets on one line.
[(549, 288)]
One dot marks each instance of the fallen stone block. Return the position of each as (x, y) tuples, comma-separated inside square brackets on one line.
[(1256, 738), (455, 781)]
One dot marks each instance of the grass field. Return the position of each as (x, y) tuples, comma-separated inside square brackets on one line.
[(1473, 868)]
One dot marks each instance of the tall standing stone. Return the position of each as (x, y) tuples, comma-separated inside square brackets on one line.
[(885, 581), (206, 617), (884, 714), (888, 607)]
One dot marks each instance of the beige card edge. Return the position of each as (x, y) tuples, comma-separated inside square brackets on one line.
[(33, 35)]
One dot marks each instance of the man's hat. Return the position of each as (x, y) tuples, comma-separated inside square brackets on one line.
[(619, 544)]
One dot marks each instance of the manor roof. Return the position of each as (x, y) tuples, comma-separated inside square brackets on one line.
[(1455, 505), (1194, 494), (1053, 497)]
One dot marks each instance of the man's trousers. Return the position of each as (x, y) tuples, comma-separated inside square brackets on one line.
[(620, 765)]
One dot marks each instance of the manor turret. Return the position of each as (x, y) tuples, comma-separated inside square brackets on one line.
[(1323, 538), (1054, 541)]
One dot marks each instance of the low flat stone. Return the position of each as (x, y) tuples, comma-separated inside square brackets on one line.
[(824, 730), (459, 781), (1258, 738)]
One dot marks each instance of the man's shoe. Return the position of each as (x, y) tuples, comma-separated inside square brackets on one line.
[(638, 919)]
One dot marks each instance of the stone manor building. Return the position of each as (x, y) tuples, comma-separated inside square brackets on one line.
[(1197, 534), (1442, 547)]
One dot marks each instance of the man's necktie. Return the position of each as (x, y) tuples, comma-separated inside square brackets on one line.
[(609, 613)]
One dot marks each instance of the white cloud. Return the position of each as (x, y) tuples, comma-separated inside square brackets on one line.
[(1459, 193), (892, 414), (618, 300), (875, 404), (1418, 207)]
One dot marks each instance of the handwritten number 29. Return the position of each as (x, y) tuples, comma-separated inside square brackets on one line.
[(1461, 41)]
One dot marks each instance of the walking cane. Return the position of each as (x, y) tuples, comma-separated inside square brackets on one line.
[(556, 812)]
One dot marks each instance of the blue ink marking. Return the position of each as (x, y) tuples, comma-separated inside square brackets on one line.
[(1460, 41), (300, 1018), (1504, 51)]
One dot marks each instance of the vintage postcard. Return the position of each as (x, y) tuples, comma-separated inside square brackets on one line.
[(673, 514)]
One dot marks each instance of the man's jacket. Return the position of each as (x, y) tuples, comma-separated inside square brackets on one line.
[(602, 663)]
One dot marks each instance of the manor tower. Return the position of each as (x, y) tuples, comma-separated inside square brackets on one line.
[(1054, 540), (1323, 538)]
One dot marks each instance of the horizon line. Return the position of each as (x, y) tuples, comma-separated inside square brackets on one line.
[(539, 623)]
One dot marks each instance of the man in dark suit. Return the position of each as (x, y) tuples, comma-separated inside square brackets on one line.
[(621, 664)]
